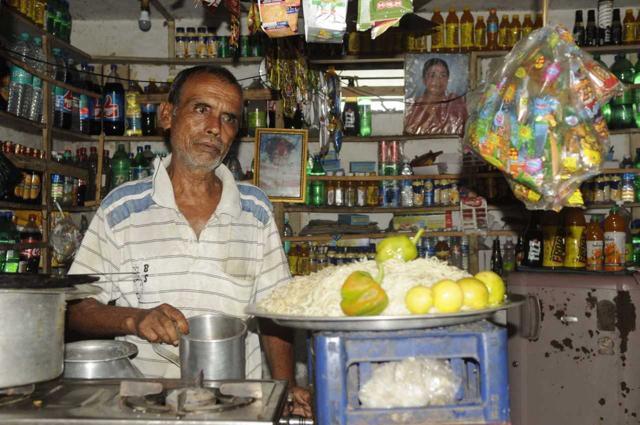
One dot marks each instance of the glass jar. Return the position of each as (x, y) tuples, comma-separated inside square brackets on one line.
[(372, 192), (628, 187), (361, 193), (212, 46)]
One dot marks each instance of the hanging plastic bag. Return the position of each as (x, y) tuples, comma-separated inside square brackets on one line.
[(325, 21), (538, 119), (380, 15), (279, 17)]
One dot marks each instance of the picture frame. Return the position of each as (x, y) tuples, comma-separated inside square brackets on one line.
[(280, 163), (435, 89)]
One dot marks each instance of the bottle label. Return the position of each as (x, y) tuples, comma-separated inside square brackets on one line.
[(574, 246), (20, 76), (97, 109), (112, 107), (349, 119), (492, 27), (59, 99), (629, 34), (553, 252), (451, 36), (614, 251), (67, 103), (83, 107), (466, 34), (533, 255)]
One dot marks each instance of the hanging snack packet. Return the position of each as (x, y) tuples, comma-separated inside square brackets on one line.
[(279, 17), (539, 119), (325, 21), (380, 15)]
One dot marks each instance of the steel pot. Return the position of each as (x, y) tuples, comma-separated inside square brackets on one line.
[(214, 346), (100, 359), (31, 335)]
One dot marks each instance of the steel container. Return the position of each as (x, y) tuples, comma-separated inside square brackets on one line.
[(31, 335), (100, 359), (214, 346)]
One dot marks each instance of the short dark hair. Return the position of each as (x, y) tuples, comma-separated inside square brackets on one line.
[(432, 62), (213, 70)]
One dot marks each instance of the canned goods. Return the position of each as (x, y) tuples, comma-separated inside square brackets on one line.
[(223, 47), (428, 193), (390, 193), (245, 48), (389, 152)]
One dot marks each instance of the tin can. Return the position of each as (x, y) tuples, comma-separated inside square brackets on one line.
[(223, 47), (428, 193), (390, 193), (245, 48), (389, 152)]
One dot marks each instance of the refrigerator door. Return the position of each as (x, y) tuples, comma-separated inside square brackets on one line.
[(572, 350)]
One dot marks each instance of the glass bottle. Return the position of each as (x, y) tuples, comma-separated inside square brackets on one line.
[(452, 32), (480, 37), (538, 23), (350, 115), (579, 31), (304, 265), (628, 27), (466, 31), (496, 258), (350, 194), (533, 244), (364, 108), (361, 193), (574, 224), (492, 30), (317, 188), (372, 192), (527, 25), (519, 252), (591, 32), (330, 197), (120, 167), (515, 31), (509, 258), (437, 37), (614, 241), (594, 241), (636, 80), (339, 201), (294, 254), (503, 33), (553, 245)]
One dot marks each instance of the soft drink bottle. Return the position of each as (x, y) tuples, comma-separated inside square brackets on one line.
[(86, 104), (30, 257), (132, 110), (113, 107), (20, 82), (120, 167), (139, 166), (35, 108), (64, 97), (74, 79), (149, 111), (95, 103), (364, 107), (636, 80), (149, 157), (60, 120)]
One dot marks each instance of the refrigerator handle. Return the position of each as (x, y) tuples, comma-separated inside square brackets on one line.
[(530, 320)]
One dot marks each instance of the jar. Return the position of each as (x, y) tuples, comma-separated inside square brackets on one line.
[(614, 188), (212, 46), (180, 47), (372, 192), (361, 193), (628, 187), (606, 189), (201, 45), (598, 193), (192, 47)]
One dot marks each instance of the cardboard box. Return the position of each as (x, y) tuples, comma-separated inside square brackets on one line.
[(353, 219), (449, 220)]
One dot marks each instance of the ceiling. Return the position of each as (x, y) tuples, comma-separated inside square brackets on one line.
[(185, 9)]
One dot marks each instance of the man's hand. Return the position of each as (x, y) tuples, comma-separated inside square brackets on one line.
[(160, 324), (300, 404)]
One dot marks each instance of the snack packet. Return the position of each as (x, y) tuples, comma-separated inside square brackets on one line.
[(279, 17), (380, 15), (539, 119), (325, 21)]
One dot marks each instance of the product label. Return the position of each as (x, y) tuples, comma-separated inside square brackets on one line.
[(67, 101), (451, 36), (614, 251), (59, 99), (437, 41), (112, 107), (535, 249), (97, 109), (575, 252), (480, 36), (84, 107), (492, 27), (349, 119), (466, 34)]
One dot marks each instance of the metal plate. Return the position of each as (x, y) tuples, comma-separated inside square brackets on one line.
[(383, 323)]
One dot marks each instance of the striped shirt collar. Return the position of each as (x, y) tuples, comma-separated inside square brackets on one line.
[(163, 189)]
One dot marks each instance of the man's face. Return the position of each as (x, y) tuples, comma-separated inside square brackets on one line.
[(205, 121), (436, 80)]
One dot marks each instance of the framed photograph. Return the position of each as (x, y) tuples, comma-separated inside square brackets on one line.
[(434, 93), (280, 163)]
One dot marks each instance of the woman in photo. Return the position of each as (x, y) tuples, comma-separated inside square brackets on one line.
[(436, 111)]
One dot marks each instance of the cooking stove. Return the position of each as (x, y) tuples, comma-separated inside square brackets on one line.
[(137, 401)]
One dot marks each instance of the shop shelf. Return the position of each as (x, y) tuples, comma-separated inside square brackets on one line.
[(5, 205), (369, 210), (43, 165), (20, 124), (248, 94), (138, 60)]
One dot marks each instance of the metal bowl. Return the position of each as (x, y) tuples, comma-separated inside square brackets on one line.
[(100, 359)]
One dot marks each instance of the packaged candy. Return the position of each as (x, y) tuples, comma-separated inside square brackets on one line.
[(539, 120), (325, 21), (380, 15), (279, 17)]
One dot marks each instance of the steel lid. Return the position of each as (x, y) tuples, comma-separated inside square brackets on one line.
[(98, 351)]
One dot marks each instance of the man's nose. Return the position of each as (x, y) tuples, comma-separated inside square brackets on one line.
[(213, 124)]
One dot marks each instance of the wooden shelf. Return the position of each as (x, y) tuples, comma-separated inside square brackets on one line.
[(24, 245), (359, 60), (248, 94), (85, 208), (381, 178), (20, 124), (17, 23), (43, 165), (624, 131), (607, 205), (69, 135), (134, 60), (382, 235), (5, 205), (148, 139), (368, 210)]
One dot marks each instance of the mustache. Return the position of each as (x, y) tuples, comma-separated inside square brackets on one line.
[(213, 141)]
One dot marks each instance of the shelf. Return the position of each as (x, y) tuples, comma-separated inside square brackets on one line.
[(147, 139), (369, 210), (133, 60), (620, 170), (248, 94), (381, 178), (5, 205), (607, 205), (23, 245), (85, 208), (12, 59), (69, 135), (41, 165), (382, 235), (20, 124), (602, 50), (624, 131), (16, 23), (358, 59)]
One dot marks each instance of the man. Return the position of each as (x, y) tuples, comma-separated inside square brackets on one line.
[(188, 240)]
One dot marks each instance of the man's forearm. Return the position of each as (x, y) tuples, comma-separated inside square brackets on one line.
[(91, 318), (278, 347)]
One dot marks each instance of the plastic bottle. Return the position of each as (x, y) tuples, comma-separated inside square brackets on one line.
[(364, 108), (149, 157), (105, 178), (287, 232), (438, 35), (12, 258), (533, 245), (19, 98), (67, 95), (527, 25), (553, 245), (496, 258), (515, 31), (594, 241), (95, 103), (579, 31), (75, 80), (350, 115), (120, 167), (35, 106), (629, 28), (452, 32), (149, 110), (574, 223), (509, 257), (622, 106), (492, 30), (139, 165), (464, 252), (317, 187), (466, 31), (519, 252), (480, 34), (29, 259), (133, 113), (113, 106), (86, 104), (256, 111), (57, 92), (636, 80), (503, 32), (614, 241), (442, 249)]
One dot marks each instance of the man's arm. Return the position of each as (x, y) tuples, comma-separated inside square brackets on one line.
[(160, 324)]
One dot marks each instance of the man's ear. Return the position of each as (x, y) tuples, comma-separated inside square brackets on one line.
[(165, 114)]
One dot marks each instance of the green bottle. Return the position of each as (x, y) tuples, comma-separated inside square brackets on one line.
[(120, 167), (317, 190), (606, 109), (636, 80), (623, 69), (139, 165)]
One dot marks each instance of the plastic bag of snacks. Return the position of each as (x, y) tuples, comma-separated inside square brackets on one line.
[(380, 15), (538, 119)]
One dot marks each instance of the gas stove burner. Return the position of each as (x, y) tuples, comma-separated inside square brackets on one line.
[(187, 400), (15, 394)]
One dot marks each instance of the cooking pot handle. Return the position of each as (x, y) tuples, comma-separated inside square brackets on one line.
[(163, 352)]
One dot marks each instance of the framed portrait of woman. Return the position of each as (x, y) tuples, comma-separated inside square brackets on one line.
[(434, 93), (279, 163)]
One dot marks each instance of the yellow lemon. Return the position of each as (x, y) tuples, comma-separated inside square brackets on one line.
[(447, 296), (476, 294), (495, 285), (419, 299)]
